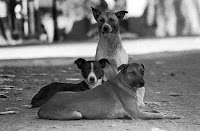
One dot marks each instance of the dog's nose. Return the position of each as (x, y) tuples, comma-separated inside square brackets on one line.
[(142, 83), (92, 79), (106, 28)]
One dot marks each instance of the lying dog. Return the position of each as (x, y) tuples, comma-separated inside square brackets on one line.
[(115, 98), (110, 45), (92, 72)]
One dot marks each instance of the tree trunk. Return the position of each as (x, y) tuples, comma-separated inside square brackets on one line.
[(54, 12)]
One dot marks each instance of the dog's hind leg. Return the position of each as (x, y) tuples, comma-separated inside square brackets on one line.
[(60, 115), (71, 115)]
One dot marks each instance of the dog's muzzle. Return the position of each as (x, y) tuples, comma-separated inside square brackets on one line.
[(106, 29), (92, 79), (142, 83)]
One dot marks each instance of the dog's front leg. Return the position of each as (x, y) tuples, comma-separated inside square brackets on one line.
[(131, 108), (148, 116), (140, 97)]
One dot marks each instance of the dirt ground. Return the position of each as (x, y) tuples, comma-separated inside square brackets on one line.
[(172, 83)]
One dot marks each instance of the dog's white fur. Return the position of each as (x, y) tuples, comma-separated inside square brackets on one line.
[(111, 48), (97, 82)]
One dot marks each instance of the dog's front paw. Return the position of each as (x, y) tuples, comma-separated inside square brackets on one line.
[(141, 104), (152, 104), (172, 117)]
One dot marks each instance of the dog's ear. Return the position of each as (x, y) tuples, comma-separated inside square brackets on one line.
[(122, 67), (143, 66), (143, 69), (120, 15), (80, 62), (103, 62), (96, 13)]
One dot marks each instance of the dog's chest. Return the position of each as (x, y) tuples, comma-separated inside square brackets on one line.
[(119, 54)]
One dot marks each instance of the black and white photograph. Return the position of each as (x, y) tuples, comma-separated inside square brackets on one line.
[(99, 65)]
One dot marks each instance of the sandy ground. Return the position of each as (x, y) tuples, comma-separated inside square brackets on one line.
[(172, 82)]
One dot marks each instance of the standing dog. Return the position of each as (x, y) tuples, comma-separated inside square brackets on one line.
[(115, 98), (92, 72), (110, 44)]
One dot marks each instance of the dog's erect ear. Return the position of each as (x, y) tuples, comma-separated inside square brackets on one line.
[(122, 67), (103, 62), (96, 13), (120, 15), (143, 66), (143, 69), (80, 62)]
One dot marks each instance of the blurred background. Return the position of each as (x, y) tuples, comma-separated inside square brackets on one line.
[(51, 21)]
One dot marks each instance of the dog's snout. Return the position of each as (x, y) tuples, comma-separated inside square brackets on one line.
[(142, 83), (92, 79), (106, 28)]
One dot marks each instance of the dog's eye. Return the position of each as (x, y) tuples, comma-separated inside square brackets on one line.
[(142, 72), (101, 20), (87, 68), (133, 72), (95, 69), (112, 20)]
